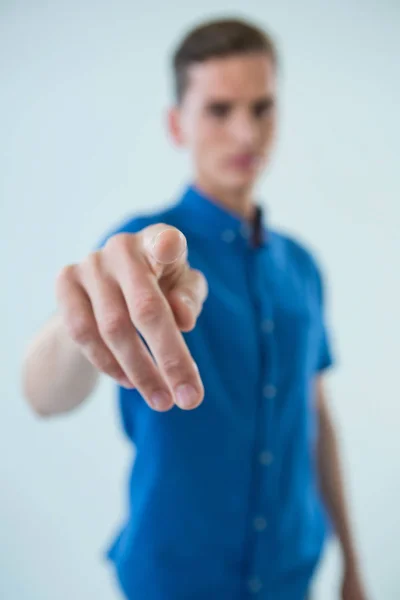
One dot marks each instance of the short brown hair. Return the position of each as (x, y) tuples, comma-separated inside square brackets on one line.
[(214, 39)]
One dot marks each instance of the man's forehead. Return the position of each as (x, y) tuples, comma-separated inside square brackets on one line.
[(235, 76)]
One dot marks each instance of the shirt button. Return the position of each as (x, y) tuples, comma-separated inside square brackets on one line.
[(269, 391), (228, 235), (260, 523), (265, 457), (254, 585), (267, 326)]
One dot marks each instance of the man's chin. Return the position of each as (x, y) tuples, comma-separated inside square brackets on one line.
[(241, 181)]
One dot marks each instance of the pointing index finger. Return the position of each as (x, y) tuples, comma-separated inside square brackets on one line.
[(165, 248)]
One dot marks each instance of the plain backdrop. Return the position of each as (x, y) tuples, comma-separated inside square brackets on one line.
[(83, 91)]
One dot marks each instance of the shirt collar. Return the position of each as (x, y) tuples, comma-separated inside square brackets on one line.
[(208, 216)]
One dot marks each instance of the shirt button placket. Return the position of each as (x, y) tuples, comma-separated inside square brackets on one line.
[(265, 457)]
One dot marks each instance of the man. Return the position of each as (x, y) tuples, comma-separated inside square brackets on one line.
[(213, 326)]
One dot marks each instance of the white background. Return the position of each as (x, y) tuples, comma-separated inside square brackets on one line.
[(83, 93)]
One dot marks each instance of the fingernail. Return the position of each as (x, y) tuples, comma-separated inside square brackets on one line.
[(160, 400), (183, 240), (169, 258), (156, 238), (186, 395), (187, 300)]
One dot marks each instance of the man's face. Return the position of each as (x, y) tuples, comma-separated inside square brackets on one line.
[(227, 119)]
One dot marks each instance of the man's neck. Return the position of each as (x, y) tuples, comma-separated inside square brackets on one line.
[(239, 202)]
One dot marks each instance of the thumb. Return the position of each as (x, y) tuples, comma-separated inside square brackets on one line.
[(186, 299)]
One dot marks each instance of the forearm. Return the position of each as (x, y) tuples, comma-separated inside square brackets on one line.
[(56, 376), (331, 483)]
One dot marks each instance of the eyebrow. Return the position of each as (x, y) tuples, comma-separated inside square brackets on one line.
[(225, 102)]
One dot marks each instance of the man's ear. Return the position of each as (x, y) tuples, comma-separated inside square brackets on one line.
[(174, 126)]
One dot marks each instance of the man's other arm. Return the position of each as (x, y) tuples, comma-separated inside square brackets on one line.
[(332, 489)]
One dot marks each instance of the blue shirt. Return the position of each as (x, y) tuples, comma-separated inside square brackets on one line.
[(223, 499)]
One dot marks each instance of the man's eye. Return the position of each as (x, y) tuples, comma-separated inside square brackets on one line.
[(261, 110), (219, 110)]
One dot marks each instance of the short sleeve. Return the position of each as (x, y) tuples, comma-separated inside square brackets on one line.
[(325, 353)]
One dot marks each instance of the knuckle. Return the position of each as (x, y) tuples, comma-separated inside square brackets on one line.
[(92, 261), (89, 268), (147, 307), (113, 324), (66, 272), (119, 241), (173, 367), (80, 329), (108, 365)]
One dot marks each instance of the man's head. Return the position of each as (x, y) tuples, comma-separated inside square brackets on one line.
[(225, 96)]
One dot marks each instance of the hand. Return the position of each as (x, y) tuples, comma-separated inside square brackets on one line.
[(137, 283), (352, 587)]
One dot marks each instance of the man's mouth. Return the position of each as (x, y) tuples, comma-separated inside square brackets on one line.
[(245, 161)]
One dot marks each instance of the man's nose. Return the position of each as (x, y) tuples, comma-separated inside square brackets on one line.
[(245, 129)]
